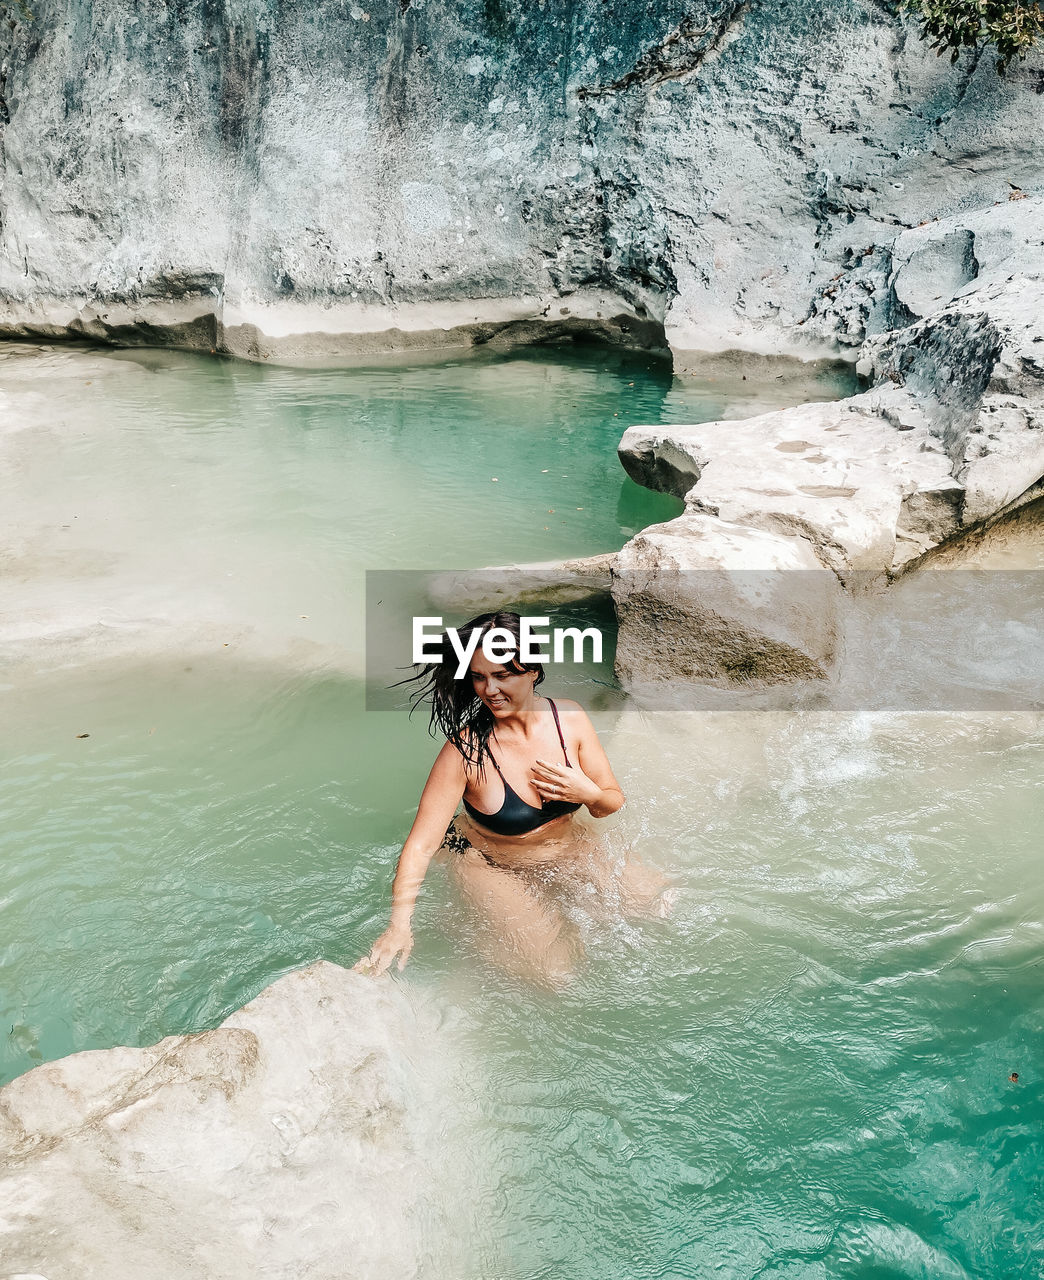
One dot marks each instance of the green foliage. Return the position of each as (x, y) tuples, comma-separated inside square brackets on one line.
[(15, 11), (953, 25)]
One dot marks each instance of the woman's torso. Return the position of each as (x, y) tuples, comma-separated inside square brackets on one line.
[(529, 829), (557, 841)]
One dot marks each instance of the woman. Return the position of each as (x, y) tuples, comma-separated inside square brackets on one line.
[(518, 853)]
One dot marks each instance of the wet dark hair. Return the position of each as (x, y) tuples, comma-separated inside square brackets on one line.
[(456, 710)]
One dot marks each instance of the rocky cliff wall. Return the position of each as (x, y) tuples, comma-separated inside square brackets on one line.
[(277, 178)]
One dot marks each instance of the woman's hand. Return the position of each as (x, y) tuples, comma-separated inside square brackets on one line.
[(438, 802), (561, 782), (395, 939), (591, 781)]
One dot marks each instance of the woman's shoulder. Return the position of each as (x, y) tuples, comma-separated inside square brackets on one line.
[(463, 755), (570, 711), (450, 757)]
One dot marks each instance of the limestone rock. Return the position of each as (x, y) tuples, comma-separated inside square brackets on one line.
[(931, 268), (939, 260), (702, 599), (952, 433), (292, 1140), (548, 583), (977, 369), (861, 481), (369, 176), (950, 437)]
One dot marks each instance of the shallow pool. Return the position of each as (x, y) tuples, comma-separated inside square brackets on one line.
[(803, 1074)]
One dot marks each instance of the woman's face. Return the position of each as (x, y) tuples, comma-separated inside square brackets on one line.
[(502, 690)]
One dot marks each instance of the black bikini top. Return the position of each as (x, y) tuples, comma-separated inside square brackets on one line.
[(515, 817)]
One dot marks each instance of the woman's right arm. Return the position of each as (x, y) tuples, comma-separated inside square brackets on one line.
[(438, 803)]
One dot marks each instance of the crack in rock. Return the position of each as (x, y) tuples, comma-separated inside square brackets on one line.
[(682, 52)]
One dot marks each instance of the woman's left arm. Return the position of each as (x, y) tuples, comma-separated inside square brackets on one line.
[(592, 781)]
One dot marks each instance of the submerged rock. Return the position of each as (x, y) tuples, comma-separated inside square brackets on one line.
[(295, 1139), (549, 584)]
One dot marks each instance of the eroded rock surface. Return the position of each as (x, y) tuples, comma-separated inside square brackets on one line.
[(950, 437), (707, 600), (862, 483), (786, 508), (298, 180), (292, 1140)]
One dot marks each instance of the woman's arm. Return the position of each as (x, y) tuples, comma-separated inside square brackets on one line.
[(592, 782), (438, 804)]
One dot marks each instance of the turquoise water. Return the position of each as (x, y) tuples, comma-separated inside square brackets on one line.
[(803, 1074)]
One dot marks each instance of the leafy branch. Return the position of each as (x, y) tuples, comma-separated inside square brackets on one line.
[(953, 25)]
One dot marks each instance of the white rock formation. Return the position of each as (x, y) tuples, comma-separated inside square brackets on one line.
[(706, 600), (863, 492), (296, 1139), (785, 508), (298, 180), (951, 437)]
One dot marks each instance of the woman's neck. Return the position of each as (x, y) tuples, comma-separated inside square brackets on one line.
[(523, 721)]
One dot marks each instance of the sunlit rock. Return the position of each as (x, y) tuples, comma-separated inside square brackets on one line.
[(703, 599), (950, 438), (369, 177), (977, 369), (293, 1139), (862, 481)]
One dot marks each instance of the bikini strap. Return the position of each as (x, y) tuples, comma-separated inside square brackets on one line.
[(558, 726), (495, 765)]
